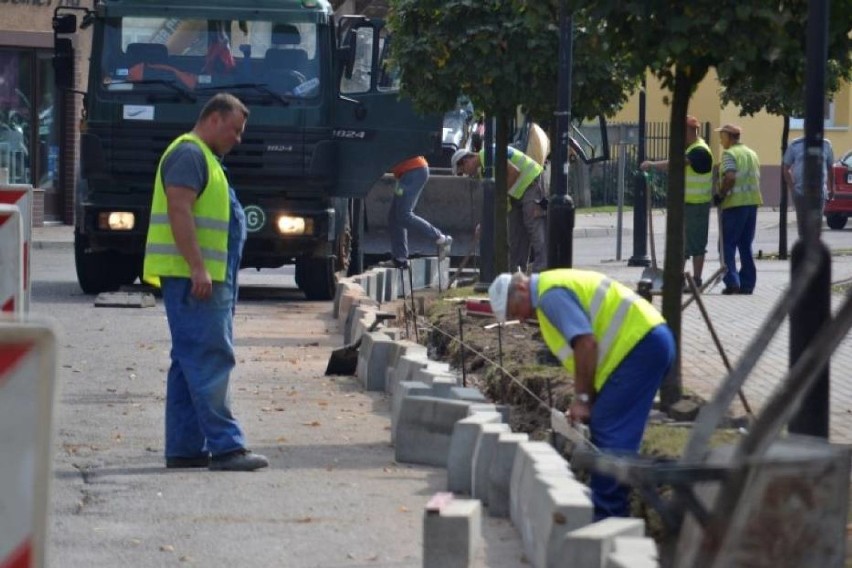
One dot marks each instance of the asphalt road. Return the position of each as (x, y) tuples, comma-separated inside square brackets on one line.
[(333, 495)]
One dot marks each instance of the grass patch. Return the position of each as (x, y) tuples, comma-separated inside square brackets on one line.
[(603, 209)]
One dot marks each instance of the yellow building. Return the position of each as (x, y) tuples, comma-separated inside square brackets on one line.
[(761, 132)]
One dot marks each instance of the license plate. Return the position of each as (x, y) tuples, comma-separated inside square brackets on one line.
[(849, 177)]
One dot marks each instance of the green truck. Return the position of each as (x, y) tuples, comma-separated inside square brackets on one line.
[(326, 122)]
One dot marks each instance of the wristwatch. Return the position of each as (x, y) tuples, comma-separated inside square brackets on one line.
[(583, 397)]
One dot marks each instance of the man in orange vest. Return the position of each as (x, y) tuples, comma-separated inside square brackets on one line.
[(411, 177)]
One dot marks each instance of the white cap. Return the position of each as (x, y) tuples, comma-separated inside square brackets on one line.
[(498, 295), (457, 157)]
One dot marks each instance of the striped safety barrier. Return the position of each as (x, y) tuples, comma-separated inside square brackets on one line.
[(27, 381), (11, 260), (22, 197)]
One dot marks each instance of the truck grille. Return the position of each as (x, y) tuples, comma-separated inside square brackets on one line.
[(266, 159)]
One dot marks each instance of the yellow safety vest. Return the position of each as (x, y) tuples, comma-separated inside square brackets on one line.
[(746, 189), (699, 187), (212, 212), (529, 170), (620, 318)]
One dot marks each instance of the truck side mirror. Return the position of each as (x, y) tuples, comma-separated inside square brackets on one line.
[(65, 24), (63, 63)]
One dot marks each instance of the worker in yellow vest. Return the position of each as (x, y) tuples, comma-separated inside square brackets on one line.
[(194, 246), (615, 344), (698, 194), (739, 196), (527, 199)]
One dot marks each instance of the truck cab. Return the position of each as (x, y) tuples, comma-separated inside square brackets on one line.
[(326, 122)]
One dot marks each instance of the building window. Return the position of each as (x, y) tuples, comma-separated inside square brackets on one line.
[(29, 144)]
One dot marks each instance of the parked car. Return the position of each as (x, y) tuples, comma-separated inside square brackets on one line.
[(838, 210)]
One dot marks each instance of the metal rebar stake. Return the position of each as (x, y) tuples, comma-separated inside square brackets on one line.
[(413, 305), (461, 344)]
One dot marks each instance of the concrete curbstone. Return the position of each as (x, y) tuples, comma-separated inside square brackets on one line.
[(636, 547), (350, 297), (431, 371), (503, 409), (425, 427), (393, 287), (500, 474), (591, 545), (554, 513), (356, 311), (623, 560), (442, 385), (343, 285), (483, 457), (469, 394), (373, 360), (462, 445), (399, 349), (452, 534), (406, 365), (377, 277), (405, 388), (530, 458)]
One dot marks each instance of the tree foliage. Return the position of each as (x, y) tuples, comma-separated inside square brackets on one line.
[(777, 85), (502, 53)]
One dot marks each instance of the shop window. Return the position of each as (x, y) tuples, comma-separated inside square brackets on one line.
[(28, 140)]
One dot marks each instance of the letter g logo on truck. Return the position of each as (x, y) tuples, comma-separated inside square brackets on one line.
[(255, 218)]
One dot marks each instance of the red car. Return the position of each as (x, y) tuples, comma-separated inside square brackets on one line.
[(838, 210)]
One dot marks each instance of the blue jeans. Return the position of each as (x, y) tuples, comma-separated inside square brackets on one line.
[(620, 413), (738, 226), (198, 412), (401, 215)]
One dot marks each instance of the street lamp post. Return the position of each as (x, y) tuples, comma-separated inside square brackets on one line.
[(560, 211)]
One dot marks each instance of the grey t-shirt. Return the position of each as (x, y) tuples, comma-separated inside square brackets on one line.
[(185, 166), (795, 157)]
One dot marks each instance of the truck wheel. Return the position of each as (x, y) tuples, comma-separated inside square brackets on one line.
[(103, 271), (836, 221), (316, 278)]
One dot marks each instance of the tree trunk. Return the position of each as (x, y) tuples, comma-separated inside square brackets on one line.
[(672, 388), (501, 201)]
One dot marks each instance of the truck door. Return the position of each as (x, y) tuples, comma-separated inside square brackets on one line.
[(374, 128)]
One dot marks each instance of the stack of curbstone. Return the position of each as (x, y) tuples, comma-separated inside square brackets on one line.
[(436, 422)]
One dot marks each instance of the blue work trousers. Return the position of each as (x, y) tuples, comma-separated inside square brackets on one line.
[(401, 217), (198, 412), (738, 226), (620, 413)]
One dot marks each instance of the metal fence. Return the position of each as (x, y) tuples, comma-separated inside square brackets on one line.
[(603, 177)]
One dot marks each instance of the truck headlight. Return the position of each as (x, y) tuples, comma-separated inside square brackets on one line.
[(116, 220), (290, 225)]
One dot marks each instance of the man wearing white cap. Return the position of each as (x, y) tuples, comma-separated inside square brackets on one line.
[(527, 216), (616, 345), (739, 196)]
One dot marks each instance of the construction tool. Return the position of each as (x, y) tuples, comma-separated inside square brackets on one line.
[(466, 259), (344, 360), (653, 272)]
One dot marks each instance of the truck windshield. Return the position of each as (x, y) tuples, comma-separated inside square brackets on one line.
[(158, 55)]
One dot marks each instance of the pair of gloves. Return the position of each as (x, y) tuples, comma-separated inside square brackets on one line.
[(718, 199)]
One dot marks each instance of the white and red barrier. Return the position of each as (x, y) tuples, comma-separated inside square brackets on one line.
[(22, 197), (11, 261), (27, 382)]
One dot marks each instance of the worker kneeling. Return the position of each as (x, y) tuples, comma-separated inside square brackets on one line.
[(615, 344)]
